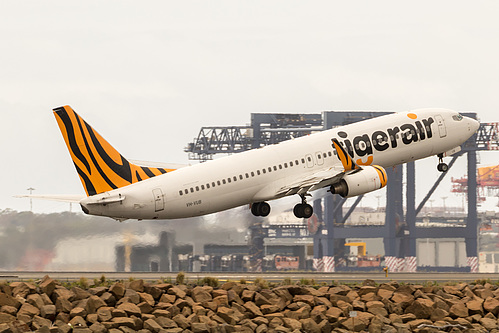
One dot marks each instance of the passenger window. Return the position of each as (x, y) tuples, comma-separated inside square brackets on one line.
[(197, 188), (180, 192), (285, 165), (270, 169), (192, 190), (264, 171), (241, 177), (208, 185), (296, 162), (218, 182), (252, 174), (325, 155), (303, 161), (309, 159), (329, 153), (186, 191), (224, 182), (247, 175), (319, 156), (275, 168), (280, 166), (291, 163), (258, 172), (228, 179), (202, 187)]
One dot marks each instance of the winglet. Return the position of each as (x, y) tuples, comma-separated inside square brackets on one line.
[(346, 160)]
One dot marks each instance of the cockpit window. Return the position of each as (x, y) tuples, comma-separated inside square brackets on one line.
[(457, 117)]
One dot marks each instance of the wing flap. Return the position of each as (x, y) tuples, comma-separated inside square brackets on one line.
[(316, 181)]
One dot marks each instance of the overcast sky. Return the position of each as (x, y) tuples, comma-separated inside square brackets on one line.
[(148, 75)]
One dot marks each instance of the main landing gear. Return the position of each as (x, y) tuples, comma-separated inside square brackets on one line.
[(442, 167), (260, 209), (303, 209)]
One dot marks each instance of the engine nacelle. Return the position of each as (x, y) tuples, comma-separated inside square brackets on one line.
[(368, 179)]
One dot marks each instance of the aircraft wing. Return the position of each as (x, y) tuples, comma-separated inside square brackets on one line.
[(315, 181), (325, 177), (55, 197)]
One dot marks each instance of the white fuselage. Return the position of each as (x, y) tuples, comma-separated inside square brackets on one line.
[(257, 175)]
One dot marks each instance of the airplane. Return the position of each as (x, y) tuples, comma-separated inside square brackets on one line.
[(349, 160)]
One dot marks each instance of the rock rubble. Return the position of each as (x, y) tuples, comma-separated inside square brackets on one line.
[(138, 306)]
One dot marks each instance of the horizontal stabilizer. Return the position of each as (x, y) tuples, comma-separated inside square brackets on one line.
[(159, 164), (54, 197)]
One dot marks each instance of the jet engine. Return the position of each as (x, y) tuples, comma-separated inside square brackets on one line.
[(360, 181)]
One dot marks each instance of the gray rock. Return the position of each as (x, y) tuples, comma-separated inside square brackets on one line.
[(48, 311), (132, 296)]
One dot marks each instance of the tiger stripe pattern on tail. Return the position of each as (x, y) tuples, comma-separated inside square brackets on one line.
[(100, 167)]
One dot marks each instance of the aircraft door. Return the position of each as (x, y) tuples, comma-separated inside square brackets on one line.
[(310, 160), (319, 158), (441, 126), (159, 200)]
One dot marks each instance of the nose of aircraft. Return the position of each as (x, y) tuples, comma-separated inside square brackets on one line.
[(473, 124)]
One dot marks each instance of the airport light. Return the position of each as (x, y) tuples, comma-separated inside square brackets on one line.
[(31, 189)]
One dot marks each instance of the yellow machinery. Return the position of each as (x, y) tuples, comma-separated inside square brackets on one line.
[(362, 259), (361, 248)]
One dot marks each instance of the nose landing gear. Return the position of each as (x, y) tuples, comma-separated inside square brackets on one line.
[(442, 167)]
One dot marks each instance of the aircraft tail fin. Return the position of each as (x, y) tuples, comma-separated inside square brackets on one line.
[(100, 167)]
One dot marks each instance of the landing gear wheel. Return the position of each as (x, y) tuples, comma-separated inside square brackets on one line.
[(303, 210), (307, 211), (260, 209), (264, 209), (254, 208), (442, 167), (297, 211)]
